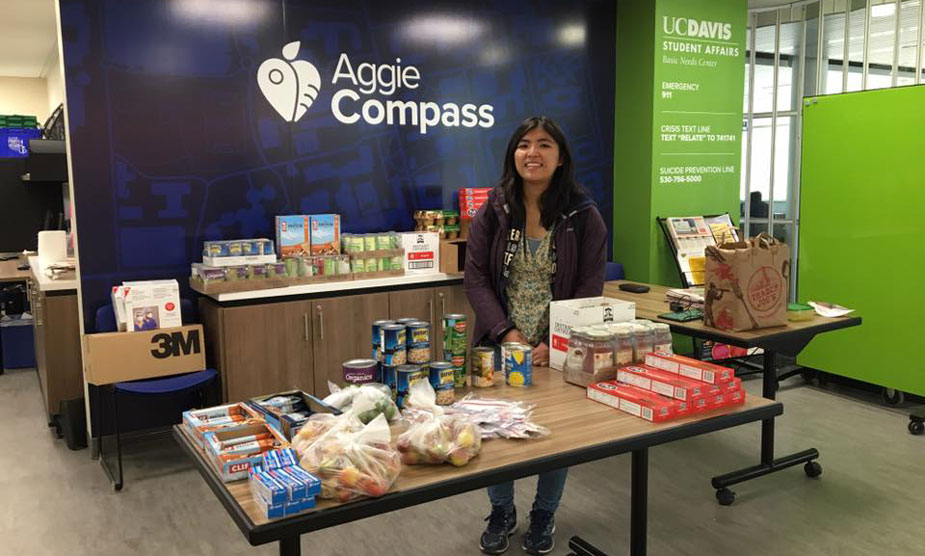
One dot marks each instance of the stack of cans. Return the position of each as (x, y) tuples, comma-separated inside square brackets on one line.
[(455, 346)]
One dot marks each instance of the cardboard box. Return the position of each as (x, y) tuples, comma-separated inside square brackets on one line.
[(287, 424), (235, 467), (632, 400), (453, 256), (200, 422), (292, 236), (565, 315), (690, 368), (153, 304), (118, 307), (662, 382), (119, 356), (324, 236), (422, 252)]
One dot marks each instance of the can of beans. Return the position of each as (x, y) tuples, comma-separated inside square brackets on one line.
[(418, 333), (454, 335), (517, 360), (392, 342), (388, 375), (441, 378), (360, 371), (406, 376), (377, 325), (482, 367), (406, 320)]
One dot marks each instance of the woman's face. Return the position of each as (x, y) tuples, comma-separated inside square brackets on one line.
[(536, 156)]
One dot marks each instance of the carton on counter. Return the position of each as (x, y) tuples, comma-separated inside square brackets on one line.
[(690, 368), (422, 252), (232, 467), (635, 401), (567, 314), (661, 382), (292, 236), (228, 417), (324, 235)]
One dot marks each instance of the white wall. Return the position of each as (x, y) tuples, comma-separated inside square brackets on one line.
[(55, 81), (27, 96)]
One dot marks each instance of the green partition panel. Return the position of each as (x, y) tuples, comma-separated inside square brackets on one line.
[(862, 231)]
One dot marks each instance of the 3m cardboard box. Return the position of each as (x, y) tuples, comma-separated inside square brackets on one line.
[(565, 315), (453, 256), (119, 356), (422, 252)]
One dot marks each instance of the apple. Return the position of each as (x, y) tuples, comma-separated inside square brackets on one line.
[(348, 476), (459, 457)]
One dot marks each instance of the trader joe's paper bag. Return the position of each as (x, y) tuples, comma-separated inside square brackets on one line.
[(747, 284)]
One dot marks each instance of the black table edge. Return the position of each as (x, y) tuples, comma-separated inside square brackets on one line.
[(766, 340), (313, 521)]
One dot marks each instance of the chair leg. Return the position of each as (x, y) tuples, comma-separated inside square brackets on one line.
[(116, 485), (115, 412)]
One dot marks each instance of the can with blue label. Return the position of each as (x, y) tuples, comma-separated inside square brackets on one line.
[(393, 343), (377, 325), (517, 360), (406, 320), (388, 375), (418, 333), (405, 377), (441, 378)]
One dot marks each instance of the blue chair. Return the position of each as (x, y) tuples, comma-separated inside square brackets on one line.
[(613, 271), (172, 385)]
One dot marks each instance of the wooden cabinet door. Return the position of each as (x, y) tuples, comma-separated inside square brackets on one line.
[(267, 349), (452, 299), (341, 331), (61, 360), (420, 304)]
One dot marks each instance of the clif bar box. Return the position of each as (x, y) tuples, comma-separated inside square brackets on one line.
[(691, 368)]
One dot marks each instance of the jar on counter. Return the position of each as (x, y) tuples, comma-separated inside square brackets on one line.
[(577, 369), (623, 353), (645, 342), (662, 341), (602, 349)]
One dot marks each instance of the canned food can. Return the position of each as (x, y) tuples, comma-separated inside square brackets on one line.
[(234, 248), (459, 369), (371, 265), (454, 333), (518, 364), (397, 262), (369, 242), (382, 263), (383, 241), (388, 375), (482, 367), (330, 266), (377, 340), (443, 381), (418, 334), (358, 266), (360, 371), (405, 320), (406, 376), (392, 343)]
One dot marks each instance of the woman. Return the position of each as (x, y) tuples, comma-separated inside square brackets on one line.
[(539, 238)]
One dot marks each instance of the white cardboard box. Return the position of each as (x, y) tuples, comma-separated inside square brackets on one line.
[(564, 315), (422, 252), (152, 305)]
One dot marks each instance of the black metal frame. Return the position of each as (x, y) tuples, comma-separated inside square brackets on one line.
[(787, 342), (288, 530)]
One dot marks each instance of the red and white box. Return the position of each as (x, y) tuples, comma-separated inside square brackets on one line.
[(470, 200), (662, 382), (690, 368), (635, 401)]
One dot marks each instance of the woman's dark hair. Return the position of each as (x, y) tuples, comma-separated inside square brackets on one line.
[(563, 188)]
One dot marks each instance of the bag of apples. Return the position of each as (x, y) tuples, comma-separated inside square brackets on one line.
[(353, 464), (433, 437)]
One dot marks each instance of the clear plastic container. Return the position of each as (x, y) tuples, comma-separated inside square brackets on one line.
[(645, 340), (662, 341), (623, 353), (576, 367), (602, 349)]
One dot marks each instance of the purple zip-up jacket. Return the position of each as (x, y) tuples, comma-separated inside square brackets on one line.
[(580, 261)]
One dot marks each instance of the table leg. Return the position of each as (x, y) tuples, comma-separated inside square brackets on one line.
[(768, 464), (639, 502), (290, 546)]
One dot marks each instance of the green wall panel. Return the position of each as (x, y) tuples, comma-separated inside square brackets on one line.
[(862, 231)]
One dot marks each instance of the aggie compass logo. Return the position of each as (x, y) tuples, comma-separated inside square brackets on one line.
[(291, 87)]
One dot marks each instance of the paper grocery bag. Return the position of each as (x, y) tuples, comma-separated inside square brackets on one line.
[(747, 284)]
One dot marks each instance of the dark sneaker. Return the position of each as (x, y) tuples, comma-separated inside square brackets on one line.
[(538, 539), (501, 525)]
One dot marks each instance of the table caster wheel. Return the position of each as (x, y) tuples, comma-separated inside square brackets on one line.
[(892, 397), (812, 469), (725, 497), (917, 428), (117, 487)]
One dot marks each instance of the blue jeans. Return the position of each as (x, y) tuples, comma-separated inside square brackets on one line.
[(548, 491)]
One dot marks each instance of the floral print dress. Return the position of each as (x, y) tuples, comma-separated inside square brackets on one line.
[(529, 289)]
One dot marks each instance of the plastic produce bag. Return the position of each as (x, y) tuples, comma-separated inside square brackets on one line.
[(433, 437), (366, 401), (319, 424), (353, 464), (498, 418)]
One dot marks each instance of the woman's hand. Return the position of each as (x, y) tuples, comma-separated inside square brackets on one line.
[(541, 355), (514, 335)]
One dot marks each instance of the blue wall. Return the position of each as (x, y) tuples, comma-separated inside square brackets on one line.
[(173, 142)]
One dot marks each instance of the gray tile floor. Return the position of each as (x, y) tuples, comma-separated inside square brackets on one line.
[(869, 500)]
